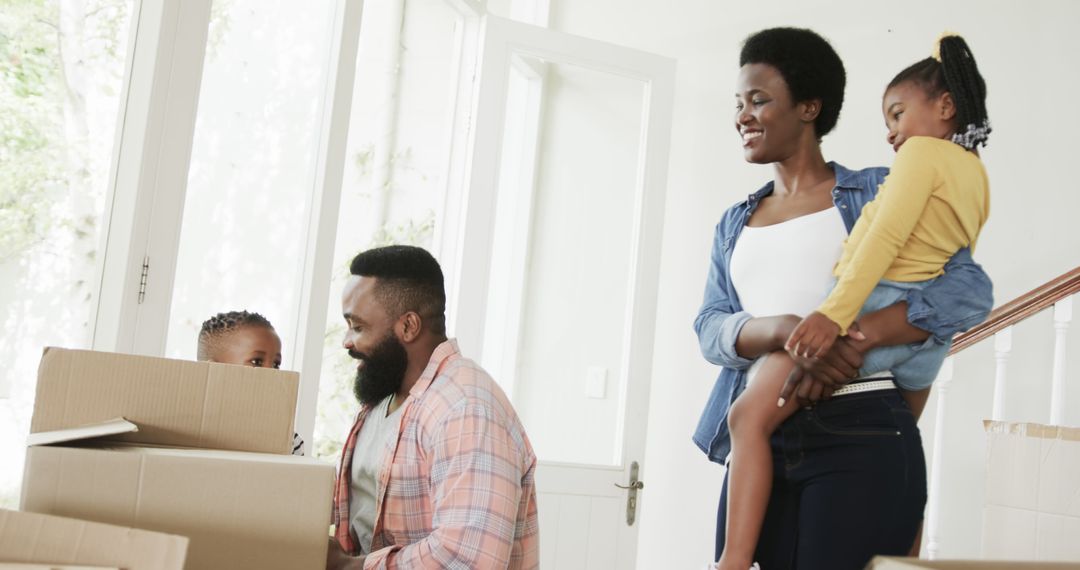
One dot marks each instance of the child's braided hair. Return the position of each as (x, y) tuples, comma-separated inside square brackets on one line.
[(218, 325), (953, 69)]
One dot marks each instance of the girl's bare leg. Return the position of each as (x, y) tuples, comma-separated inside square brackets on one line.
[(752, 420)]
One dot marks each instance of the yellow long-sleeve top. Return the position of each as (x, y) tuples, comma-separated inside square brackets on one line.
[(934, 202)]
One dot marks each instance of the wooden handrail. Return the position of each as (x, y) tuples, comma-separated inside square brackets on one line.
[(1020, 308)]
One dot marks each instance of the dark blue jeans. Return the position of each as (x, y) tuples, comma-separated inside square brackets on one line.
[(849, 483)]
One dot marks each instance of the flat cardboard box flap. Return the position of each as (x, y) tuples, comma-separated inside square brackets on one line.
[(174, 402), (239, 510), (115, 426), (55, 541)]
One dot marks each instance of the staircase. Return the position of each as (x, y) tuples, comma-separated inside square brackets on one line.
[(1057, 293)]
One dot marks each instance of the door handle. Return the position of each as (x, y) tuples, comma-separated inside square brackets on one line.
[(631, 497)]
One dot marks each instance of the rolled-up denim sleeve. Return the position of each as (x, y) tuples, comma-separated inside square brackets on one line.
[(718, 323), (954, 302)]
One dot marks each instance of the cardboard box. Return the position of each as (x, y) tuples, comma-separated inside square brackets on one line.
[(141, 442), (43, 541), (895, 563), (1032, 508), (239, 509), (175, 403)]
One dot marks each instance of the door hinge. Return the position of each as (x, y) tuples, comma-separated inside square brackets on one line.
[(142, 278)]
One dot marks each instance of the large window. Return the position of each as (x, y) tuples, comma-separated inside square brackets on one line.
[(252, 173), (397, 165), (61, 79)]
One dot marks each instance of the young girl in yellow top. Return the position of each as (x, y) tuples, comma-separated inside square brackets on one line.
[(933, 203)]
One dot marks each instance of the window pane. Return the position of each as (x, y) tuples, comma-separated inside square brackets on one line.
[(61, 75), (252, 174), (395, 174)]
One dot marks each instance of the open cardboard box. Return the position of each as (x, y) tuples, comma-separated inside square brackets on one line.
[(174, 402), (32, 540), (239, 508)]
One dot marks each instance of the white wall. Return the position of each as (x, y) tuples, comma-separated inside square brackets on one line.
[(1027, 52)]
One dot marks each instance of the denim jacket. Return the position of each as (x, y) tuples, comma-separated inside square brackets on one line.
[(955, 302)]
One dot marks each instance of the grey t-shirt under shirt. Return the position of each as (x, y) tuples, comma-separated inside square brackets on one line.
[(378, 430)]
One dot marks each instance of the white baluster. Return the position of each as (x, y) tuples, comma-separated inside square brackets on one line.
[(1062, 318), (933, 516), (1002, 351)]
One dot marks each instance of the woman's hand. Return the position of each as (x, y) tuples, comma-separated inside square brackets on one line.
[(813, 337), (804, 387), (815, 379)]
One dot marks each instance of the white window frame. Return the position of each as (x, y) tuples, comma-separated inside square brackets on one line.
[(149, 175), (322, 225), (148, 185)]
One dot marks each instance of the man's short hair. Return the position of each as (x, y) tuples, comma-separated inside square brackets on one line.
[(409, 279)]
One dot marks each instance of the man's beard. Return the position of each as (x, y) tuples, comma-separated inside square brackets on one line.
[(383, 371)]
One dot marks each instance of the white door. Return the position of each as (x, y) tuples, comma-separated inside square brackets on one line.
[(557, 265)]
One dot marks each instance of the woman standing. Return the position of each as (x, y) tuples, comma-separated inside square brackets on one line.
[(849, 478)]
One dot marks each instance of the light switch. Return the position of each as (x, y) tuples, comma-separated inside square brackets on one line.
[(596, 382)]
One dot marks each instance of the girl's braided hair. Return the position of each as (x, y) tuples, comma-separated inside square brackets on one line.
[(954, 70)]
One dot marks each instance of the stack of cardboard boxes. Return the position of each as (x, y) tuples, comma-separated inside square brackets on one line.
[(194, 449)]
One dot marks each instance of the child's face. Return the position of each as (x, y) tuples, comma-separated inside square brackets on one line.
[(910, 112), (250, 346)]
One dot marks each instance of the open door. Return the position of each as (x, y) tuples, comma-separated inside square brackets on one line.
[(557, 260)]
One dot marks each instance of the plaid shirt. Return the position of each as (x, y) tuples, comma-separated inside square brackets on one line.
[(456, 489)]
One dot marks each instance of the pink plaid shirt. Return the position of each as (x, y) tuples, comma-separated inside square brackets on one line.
[(457, 489)]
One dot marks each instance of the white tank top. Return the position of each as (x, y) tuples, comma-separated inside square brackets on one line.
[(787, 268)]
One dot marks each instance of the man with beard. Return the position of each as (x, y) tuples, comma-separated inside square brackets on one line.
[(437, 471)]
